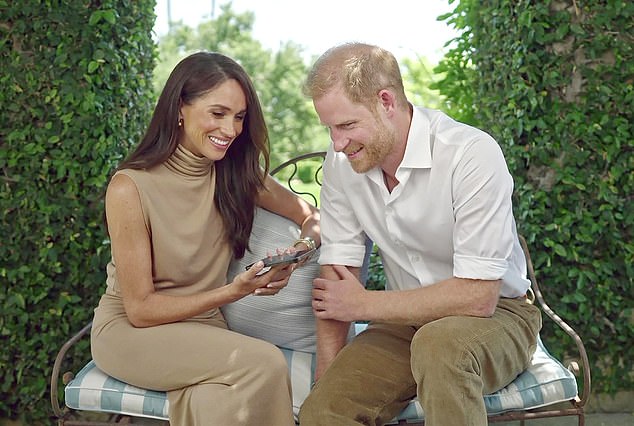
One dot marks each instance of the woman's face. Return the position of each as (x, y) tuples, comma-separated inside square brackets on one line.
[(212, 122)]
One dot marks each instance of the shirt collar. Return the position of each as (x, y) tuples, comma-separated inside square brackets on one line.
[(418, 149)]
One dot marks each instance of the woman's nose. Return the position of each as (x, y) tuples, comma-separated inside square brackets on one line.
[(230, 129)]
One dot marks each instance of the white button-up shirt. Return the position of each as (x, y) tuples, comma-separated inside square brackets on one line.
[(449, 216)]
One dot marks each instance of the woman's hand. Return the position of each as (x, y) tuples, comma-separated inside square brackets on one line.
[(269, 283), (279, 279), (299, 246)]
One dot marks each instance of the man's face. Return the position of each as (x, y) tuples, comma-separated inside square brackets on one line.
[(355, 130)]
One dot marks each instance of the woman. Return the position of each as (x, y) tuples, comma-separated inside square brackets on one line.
[(178, 210)]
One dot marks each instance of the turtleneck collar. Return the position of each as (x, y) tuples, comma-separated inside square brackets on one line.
[(186, 163)]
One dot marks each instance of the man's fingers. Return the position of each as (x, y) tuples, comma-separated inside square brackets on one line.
[(318, 305), (319, 283)]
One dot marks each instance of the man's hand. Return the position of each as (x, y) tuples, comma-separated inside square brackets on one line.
[(340, 298)]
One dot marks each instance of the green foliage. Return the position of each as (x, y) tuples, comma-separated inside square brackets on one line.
[(308, 172), (456, 85), (419, 79), (75, 82), (552, 82), (376, 275), (292, 122)]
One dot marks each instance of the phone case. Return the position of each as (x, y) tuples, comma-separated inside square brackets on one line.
[(284, 259)]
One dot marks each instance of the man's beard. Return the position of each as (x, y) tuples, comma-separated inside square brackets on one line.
[(375, 151)]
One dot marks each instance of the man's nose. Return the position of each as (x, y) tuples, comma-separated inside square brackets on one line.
[(339, 142)]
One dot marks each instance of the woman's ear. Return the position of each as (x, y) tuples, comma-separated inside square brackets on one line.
[(180, 114)]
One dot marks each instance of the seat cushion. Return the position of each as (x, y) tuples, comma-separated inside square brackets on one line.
[(94, 390), (545, 382)]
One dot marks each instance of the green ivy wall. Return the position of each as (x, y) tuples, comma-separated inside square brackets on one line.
[(553, 83), (76, 87)]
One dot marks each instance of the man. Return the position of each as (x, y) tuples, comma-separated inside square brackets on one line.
[(435, 196)]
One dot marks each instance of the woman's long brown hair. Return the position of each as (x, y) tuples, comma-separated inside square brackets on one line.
[(239, 175)]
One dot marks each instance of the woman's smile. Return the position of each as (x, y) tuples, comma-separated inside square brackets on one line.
[(214, 120)]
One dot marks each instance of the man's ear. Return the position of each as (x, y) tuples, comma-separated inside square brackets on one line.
[(387, 100)]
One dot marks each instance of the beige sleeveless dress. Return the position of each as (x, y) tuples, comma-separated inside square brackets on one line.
[(212, 376)]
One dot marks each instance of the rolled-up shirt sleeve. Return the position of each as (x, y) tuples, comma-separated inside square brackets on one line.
[(343, 240), (483, 230)]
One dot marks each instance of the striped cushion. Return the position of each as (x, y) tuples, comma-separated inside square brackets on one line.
[(286, 319), (94, 390), (545, 382)]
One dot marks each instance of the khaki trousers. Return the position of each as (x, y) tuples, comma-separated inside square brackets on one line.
[(213, 376), (449, 363)]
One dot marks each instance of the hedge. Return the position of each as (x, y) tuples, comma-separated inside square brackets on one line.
[(76, 91), (553, 83)]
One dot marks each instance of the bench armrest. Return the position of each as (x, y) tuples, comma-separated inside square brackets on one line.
[(67, 377), (585, 364)]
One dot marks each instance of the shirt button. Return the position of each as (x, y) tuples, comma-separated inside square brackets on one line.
[(415, 258)]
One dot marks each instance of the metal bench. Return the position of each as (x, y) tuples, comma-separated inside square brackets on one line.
[(546, 389)]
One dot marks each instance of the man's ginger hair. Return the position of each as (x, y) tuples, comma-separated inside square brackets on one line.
[(361, 70)]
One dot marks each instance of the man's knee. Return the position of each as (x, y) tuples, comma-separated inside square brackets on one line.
[(308, 409), (439, 346), (317, 406)]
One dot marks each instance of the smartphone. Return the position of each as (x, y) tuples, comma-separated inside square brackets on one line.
[(284, 259)]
